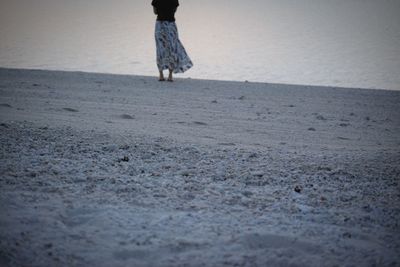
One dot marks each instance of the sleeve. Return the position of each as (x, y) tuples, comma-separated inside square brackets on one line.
[(154, 2), (177, 3)]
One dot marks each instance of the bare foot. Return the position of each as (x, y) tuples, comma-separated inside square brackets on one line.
[(161, 77)]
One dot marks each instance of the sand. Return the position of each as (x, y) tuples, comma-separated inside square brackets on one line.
[(112, 170)]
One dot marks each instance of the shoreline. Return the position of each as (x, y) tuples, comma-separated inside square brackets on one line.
[(206, 80)]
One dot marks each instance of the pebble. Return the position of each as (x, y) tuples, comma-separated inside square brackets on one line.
[(125, 159), (298, 189)]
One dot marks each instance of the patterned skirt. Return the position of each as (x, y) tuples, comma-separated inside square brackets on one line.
[(170, 52)]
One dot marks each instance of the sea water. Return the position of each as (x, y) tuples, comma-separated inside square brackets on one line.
[(350, 43)]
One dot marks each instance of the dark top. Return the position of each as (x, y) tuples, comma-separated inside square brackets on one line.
[(165, 9)]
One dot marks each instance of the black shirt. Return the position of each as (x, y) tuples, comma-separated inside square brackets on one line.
[(165, 9)]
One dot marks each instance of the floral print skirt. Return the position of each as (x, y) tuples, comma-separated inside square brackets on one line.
[(170, 52)]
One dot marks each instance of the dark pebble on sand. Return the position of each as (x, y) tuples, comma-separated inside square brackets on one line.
[(125, 159), (253, 155), (124, 147), (298, 189), (347, 235)]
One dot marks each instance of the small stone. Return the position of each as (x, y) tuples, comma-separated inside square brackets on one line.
[(257, 173), (367, 208), (185, 173), (247, 193), (125, 159), (124, 147), (347, 235), (298, 189), (311, 129), (253, 155), (214, 101)]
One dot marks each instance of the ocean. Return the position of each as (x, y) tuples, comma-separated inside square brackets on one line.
[(341, 43)]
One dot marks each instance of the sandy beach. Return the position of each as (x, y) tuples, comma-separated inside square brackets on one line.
[(121, 170)]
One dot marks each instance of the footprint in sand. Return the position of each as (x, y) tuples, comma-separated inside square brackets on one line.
[(227, 144), (320, 117), (131, 254), (71, 109), (200, 123), (127, 117), (5, 105)]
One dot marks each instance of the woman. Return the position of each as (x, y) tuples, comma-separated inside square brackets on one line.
[(171, 54)]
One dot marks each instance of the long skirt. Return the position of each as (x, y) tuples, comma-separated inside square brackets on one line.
[(170, 52)]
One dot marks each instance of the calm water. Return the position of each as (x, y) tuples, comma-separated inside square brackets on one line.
[(321, 42)]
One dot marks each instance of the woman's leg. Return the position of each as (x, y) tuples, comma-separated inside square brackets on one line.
[(161, 78), (170, 78)]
